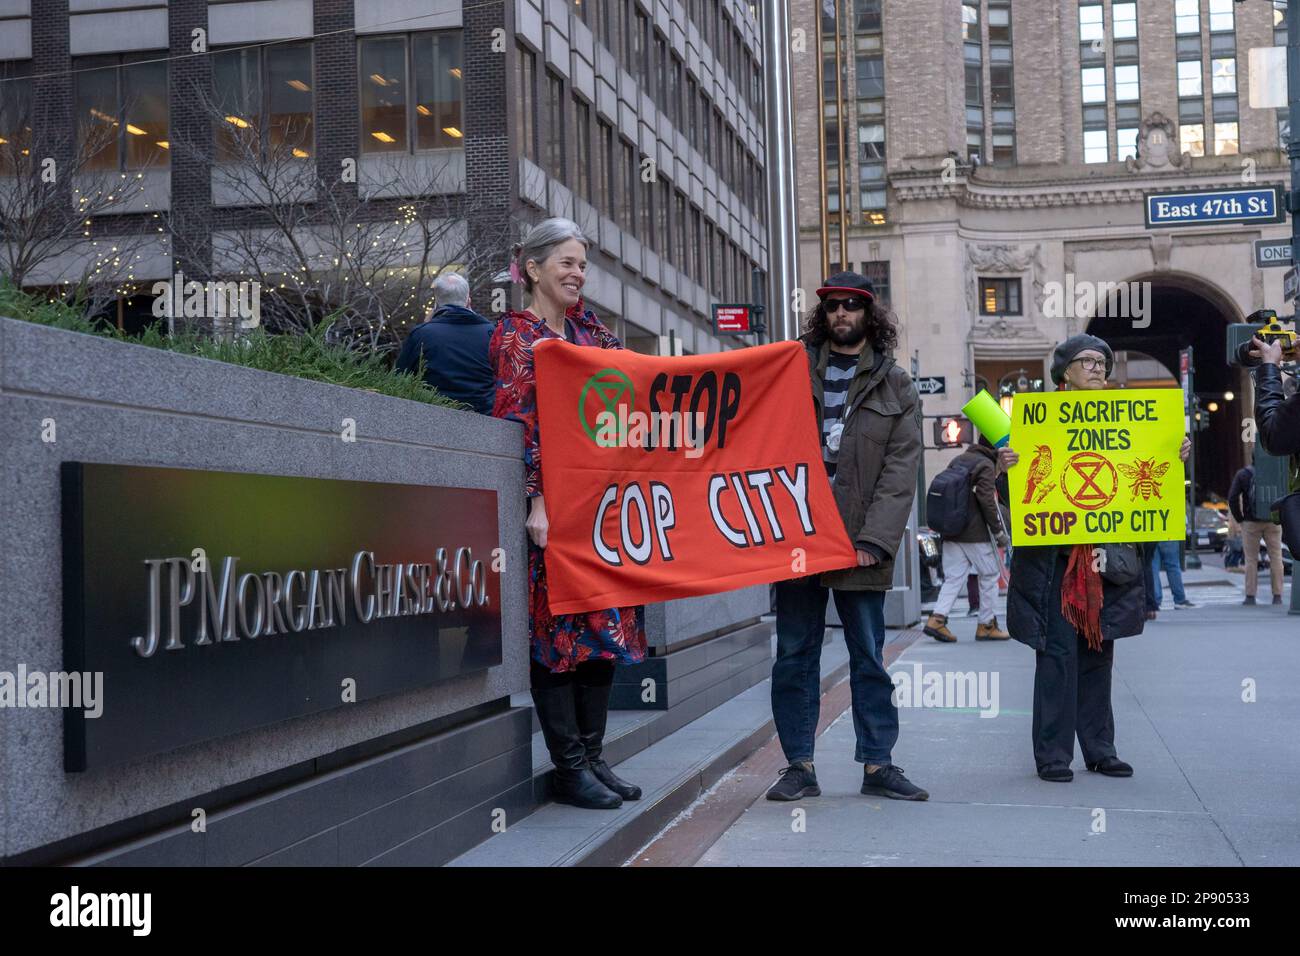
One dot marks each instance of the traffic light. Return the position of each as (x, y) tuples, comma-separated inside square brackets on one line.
[(953, 431)]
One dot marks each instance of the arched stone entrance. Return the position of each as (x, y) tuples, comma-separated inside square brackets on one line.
[(1186, 310)]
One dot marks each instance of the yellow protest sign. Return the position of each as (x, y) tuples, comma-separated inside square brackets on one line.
[(1097, 466)]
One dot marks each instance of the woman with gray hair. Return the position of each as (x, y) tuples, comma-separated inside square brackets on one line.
[(572, 655)]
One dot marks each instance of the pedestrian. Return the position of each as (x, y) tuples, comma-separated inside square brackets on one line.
[(453, 342), (1165, 556), (1241, 502), (1070, 611), (870, 421), (1233, 554), (972, 594), (572, 655), (972, 548)]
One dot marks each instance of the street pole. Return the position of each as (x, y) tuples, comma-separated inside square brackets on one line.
[(1293, 207), (1193, 560), (920, 472)]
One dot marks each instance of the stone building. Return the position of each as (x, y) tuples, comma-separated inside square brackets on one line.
[(644, 120), (996, 156)]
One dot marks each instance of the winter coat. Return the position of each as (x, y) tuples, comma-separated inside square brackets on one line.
[(879, 458), (454, 343), (985, 519), (1278, 418), (1123, 607)]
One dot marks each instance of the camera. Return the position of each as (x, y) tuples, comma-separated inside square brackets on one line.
[(1266, 326)]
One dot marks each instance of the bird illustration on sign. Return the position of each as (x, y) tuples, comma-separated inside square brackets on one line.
[(1039, 470)]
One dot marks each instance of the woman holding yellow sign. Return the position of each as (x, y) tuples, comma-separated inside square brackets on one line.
[(1069, 603)]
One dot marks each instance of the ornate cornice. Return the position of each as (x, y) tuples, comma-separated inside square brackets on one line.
[(915, 187)]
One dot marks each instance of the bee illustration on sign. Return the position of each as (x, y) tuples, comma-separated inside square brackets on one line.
[(1145, 475), (1039, 470)]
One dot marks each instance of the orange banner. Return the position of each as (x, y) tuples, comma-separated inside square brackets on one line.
[(674, 477)]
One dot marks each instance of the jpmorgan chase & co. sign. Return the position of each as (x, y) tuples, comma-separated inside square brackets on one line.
[(216, 602)]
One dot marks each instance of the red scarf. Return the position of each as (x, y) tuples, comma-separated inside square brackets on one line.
[(1081, 595)]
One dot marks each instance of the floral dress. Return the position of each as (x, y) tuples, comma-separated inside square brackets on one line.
[(559, 642)]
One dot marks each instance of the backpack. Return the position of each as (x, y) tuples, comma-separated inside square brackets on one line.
[(947, 503)]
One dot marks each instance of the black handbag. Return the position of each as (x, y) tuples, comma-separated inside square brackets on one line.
[(1123, 564), (1288, 509)]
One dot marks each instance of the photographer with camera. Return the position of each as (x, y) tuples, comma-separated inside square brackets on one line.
[(1276, 416)]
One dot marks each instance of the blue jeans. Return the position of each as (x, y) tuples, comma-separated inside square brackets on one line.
[(1165, 555), (796, 674)]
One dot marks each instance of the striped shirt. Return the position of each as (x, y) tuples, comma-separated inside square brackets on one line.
[(839, 376)]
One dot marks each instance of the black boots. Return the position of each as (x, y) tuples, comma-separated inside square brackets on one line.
[(572, 781), (593, 711)]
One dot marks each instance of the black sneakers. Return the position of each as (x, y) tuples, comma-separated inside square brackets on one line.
[(888, 781), (797, 781)]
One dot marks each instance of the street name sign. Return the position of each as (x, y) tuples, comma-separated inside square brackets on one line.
[(1214, 207), (1290, 284)]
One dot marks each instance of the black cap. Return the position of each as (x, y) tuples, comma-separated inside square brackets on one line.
[(1067, 350), (848, 282)]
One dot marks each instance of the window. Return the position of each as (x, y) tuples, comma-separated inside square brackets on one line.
[(1004, 147), (627, 194), (1127, 141), (1225, 139), (974, 82), (439, 93), (1001, 88), (527, 112), (605, 168), (1221, 16), (878, 273), (582, 162), (1095, 146), (1124, 20), (1094, 84), (1223, 75), (970, 22), (121, 110), (871, 77), (265, 95), (1187, 17), (999, 24), (1225, 108), (974, 146), (679, 226), (868, 16), (1126, 83), (999, 296), (1189, 78), (871, 142), (429, 65), (553, 135), (1192, 138), (15, 116), (1091, 26)]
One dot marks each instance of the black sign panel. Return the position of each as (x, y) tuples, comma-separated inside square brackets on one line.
[(216, 602), (932, 385)]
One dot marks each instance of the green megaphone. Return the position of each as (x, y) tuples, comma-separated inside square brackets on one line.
[(989, 418)]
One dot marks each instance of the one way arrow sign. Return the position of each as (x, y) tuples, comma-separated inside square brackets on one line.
[(932, 385)]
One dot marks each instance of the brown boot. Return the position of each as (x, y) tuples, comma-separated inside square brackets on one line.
[(991, 632), (937, 627)]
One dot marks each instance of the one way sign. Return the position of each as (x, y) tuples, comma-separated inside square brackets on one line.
[(932, 385)]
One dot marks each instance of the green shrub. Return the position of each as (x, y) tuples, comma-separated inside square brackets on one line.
[(307, 356)]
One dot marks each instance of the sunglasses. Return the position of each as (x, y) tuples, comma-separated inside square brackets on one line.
[(851, 304)]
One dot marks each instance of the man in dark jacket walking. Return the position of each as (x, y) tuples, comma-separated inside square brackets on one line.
[(1072, 673), (454, 345), (870, 421), (972, 550), (1241, 502)]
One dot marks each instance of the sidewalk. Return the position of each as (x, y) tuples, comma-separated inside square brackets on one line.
[(1217, 780)]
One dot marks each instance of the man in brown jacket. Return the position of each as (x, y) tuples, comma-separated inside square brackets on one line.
[(971, 550), (870, 420)]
